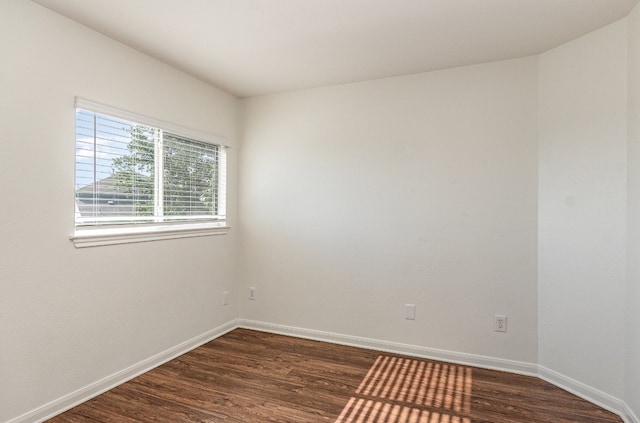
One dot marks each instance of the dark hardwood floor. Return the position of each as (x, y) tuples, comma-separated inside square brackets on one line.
[(247, 376)]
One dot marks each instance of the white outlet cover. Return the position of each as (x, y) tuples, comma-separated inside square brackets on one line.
[(500, 323), (410, 311)]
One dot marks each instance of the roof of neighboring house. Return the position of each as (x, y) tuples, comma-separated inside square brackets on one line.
[(109, 199), (108, 186)]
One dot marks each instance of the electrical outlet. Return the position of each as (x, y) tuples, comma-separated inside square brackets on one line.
[(500, 323), (225, 298), (252, 293)]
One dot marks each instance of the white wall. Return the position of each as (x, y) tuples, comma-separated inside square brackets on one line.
[(582, 208), (632, 373), (357, 199), (70, 317)]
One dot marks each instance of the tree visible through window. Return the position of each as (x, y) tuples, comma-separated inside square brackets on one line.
[(128, 172)]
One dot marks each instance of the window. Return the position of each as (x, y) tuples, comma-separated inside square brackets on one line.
[(138, 179)]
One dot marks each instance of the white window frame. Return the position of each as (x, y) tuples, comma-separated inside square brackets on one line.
[(97, 235)]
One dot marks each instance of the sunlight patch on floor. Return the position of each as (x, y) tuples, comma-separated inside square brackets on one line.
[(401, 390)]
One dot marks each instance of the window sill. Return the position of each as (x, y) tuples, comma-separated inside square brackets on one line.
[(94, 237)]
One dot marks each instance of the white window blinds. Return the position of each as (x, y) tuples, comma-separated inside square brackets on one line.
[(130, 172)]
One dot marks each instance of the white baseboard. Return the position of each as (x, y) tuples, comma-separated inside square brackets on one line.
[(586, 392), (629, 416), (595, 396), (69, 401), (485, 362)]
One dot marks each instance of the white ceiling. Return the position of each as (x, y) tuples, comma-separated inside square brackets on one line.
[(253, 47)]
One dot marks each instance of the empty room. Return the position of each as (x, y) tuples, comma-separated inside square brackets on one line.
[(356, 211)]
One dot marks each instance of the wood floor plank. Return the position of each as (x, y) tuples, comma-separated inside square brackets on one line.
[(247, 376)]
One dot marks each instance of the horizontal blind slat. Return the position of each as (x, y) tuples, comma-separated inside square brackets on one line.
[(115, 177)]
